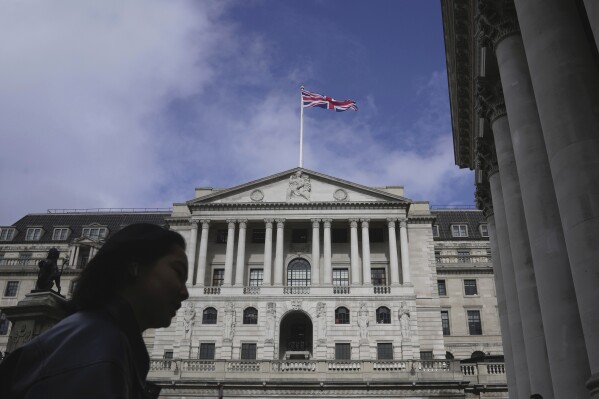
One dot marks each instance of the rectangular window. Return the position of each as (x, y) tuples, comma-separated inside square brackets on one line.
[(340, 276), (256, 277), (463, 256), (459, 230), (4, 324), (258, 236), (11, 289), (218, 277), (445, 322), (470, 287), (33, 234), (435, 230), (441, 287), (343, 351), (60, 234), (94, 232), (248, 351), (221, 236), (376, 235), (206, 351), (168, 355), (299, 236), (384, 351), (378, 276), (484, 230), (426, 355), (7, 234), (338, 236), (474, 326)]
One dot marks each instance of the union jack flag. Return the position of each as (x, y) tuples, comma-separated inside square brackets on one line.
[(311, 100)]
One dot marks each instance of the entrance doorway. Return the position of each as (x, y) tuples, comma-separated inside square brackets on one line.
[(296, 336)]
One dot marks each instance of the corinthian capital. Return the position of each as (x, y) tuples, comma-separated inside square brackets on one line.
[(489, 101), (482, 197), (495, 20)]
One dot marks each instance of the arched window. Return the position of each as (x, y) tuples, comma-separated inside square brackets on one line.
[(250, 316), (449, 356), (209, 316), (341, 316), (383, 315), (298, 273)]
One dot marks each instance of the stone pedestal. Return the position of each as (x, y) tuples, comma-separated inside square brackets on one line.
[(364, 350), (33, 315), (269, 351)]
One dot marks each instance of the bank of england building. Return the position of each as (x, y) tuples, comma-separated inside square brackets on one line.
[(301, 284)]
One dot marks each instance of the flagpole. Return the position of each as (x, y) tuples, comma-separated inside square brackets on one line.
[(301, 162)]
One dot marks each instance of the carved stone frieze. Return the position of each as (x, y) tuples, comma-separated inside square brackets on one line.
[(299, 186)]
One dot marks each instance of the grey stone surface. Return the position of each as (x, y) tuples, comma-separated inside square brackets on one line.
[(557, 299)]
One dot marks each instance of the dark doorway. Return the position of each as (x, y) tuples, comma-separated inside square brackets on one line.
[(296, 336)]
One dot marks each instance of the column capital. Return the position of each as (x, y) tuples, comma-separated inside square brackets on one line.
[(205, 223), (193, 223), (242, 223), (315, 223), (268, 223), (327, 223), (365, 223), (403, 223), (353, 223), (391, 222), (488, 101), (482, 198), (231, 223), (280, 223), (495, 20)]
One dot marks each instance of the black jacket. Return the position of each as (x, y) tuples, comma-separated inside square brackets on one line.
[(90, 354)]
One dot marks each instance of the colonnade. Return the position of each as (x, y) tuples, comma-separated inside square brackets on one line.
[(360, 268), (539, 93)]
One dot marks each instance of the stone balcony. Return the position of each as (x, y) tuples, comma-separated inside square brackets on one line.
[(323, 371)]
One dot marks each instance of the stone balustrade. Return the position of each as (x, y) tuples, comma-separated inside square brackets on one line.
[(462, 259), (345, 289), (382, 289), (251, 290), (212, 291), (326, 370), (296, 290)]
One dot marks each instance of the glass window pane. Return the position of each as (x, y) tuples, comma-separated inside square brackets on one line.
[(209, 316), (445, 322), (341, 316), (341, 277), (384, 351), (343, 351), (470, 287), (248, 351), (378, 276), (441, 288), (206, 351), (474, 325)]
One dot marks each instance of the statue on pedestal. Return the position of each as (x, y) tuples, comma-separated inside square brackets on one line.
[(270, 322), (321, 314), (404, 319), (49, 274), (229, 322), (363, 322), (189, 315)]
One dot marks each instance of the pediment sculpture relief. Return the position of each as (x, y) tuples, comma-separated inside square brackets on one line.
[(299, 186)]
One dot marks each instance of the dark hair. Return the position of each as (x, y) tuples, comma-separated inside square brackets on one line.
[(108, 271)]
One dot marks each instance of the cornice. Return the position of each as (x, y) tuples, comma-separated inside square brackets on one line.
[(297, 205)]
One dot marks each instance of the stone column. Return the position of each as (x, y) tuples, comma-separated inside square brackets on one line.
[(405, 254), (201, 270), (315, 251), (355, 254), (566, 87), (240, 264), (508, 278), (592, 7), (566, 350), (484, 203), (328, 268), (279, 252), (532, 324), (393, 263), (229, 254), (191, 252), (267, 253), (76, 261), (72, 256), (366, 275)]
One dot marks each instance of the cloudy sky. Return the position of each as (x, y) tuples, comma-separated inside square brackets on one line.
[(134, 103)]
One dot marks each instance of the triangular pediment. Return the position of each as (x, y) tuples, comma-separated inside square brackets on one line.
[(298, 185)]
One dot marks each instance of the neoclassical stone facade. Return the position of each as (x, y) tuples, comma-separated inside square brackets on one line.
[(524, 91), (302, 284)]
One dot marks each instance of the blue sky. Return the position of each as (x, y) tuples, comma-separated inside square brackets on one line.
[(133, 104)]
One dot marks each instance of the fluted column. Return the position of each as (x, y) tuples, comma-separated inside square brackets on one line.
[(328, 268), (279, 252), (200, 277), (229, 254), (393, 264), (355, 252), (532, 324), (315, 251), (566, 350), (564, 76), (405, 253), (508, 277), (240, 264), (366, 275), (191, 251), (266, 281)]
